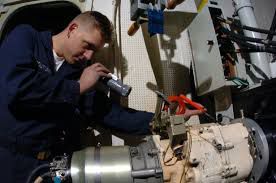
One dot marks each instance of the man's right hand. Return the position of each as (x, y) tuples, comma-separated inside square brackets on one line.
[(91, 75)]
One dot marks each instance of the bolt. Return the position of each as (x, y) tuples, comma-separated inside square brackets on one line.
[(219, 147), (153, 152), (134, 152)]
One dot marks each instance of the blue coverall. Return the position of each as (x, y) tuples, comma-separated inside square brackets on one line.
[(37, 103)]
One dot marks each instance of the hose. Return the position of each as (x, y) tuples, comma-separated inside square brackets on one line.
[(249, 50), (245, 38), (259, 48), (32, 174), (264, 31), (255, 29), (252, 46), (42, 177)]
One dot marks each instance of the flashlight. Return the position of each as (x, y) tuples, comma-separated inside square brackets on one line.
[(116, 85)]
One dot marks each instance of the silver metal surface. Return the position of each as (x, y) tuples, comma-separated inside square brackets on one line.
[(114, 166), (208, 70), (176, 130), (261, 158), (145, 173), (246, 14), (145, 162)]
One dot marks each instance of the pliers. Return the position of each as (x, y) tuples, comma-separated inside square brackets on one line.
[(182, 100)]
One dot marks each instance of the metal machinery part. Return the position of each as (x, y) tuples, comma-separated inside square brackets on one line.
[(210, 153), (138, 7), (116, 85), (117, 164), (262, 109), (246, 14), (259, 149), (219, 154)]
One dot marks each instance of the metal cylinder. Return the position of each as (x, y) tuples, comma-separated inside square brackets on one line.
[(246, 14), (101, 165), (117, 164), (117, 86)]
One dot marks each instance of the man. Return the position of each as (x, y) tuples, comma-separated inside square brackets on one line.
[(44, 93)]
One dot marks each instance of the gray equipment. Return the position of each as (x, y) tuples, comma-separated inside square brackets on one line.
[(118, 164), (117, 85)]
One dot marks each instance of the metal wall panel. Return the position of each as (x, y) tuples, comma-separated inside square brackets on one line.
[(208, 69)]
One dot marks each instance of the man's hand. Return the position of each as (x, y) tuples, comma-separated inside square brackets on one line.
[(188, 113), (91, 75)]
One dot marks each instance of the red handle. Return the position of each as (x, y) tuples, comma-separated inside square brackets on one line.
[(181, 104), (181, 99), (189, 101)]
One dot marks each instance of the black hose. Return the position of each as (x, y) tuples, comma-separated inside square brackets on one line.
[(242, 41), (260, 48), (245, 38), (254, 29), (256, 40), (42, 177), (32, 174), (250, 50)]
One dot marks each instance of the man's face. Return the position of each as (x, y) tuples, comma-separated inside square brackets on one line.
[(82, 43)]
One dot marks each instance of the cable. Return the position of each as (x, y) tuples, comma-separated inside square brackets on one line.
[(242, 41), (42, 177), (32, 174), (249, 50), (260, 48), (164, 155), (245, 38), (264, 31), (170, 159), (187, 154)]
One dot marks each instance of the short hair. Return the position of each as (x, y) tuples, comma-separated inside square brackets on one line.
[(100, 21)]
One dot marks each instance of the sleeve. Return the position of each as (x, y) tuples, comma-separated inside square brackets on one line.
[(96, 106), (27, 85)]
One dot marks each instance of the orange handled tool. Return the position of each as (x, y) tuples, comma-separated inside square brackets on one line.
[(181, 100), (181, 104), (192, 103), (133, 29), (197, 106), (173, 3)]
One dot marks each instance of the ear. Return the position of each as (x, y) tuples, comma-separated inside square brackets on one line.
[(73, 26)]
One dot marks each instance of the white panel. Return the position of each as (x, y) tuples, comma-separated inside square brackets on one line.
[(208, 69)]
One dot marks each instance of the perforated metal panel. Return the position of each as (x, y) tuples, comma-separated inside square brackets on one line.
[(170, 55)]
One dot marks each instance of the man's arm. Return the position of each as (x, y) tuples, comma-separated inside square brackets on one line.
[(96, 106)]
